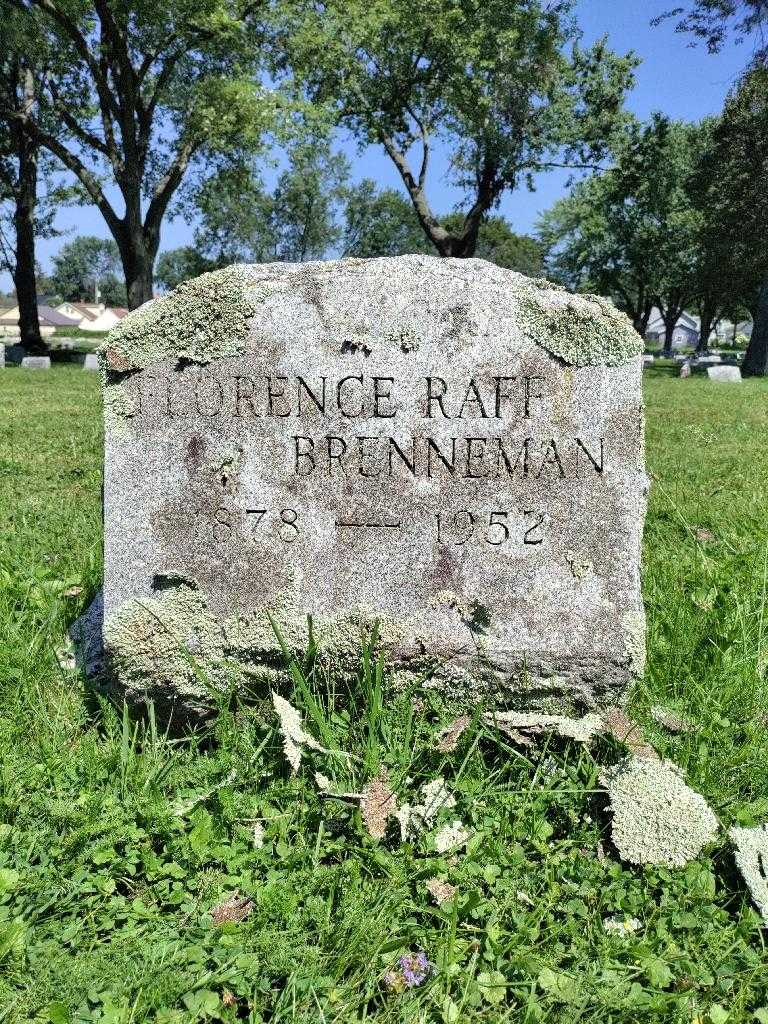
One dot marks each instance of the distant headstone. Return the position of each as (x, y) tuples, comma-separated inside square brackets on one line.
[(648, 360), (14, 354), (685, 370), (439, 450), (91, 362), (36, 363), (713, 358), (2, 356), (724, 373)]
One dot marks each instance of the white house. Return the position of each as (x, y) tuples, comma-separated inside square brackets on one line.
[(685, 334), (50, 319), (92, 316)]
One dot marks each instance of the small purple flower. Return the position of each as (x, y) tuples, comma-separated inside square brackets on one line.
[(415, 967)]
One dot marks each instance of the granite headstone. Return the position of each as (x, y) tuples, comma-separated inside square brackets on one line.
[(442, 450), (91, 362), (728, 374), (36, 363)]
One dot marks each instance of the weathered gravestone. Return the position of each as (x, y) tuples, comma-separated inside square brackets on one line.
[(91, 362), (2, 356), (729, 374), (442, 447), (36, 363)]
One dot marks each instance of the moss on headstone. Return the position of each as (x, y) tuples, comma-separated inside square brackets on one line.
[(201, 320), (582, 330)]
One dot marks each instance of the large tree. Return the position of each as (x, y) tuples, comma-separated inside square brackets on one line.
[(714, 21), (22, 216), (138, 93), (489, 79), (738, 172), (88, 266), (631, 232)]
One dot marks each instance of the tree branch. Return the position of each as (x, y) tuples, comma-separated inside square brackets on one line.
[(435, 231), (88, 138), (73, 163), (50, 8), (168, 185)]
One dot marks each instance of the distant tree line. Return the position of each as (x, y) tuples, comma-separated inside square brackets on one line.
[(679, 222), (149, 109), (315, 211)]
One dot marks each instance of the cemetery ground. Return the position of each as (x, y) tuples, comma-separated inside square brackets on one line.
[(145, 877)]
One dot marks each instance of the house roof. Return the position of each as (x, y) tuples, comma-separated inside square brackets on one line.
[(53, 318), (87, 309), (47, 315)]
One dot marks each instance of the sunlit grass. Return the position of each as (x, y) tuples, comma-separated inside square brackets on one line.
[(116, 840)]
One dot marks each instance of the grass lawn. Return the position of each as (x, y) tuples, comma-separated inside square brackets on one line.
[(117, 843)]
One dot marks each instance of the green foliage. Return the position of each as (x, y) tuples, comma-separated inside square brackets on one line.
[(117, 841), (714, 21), (380, 223), (84, 263), (498, 243), (633, 232), (733, 181), (314, 212), (147, 93), (490, 78), (174, 266)]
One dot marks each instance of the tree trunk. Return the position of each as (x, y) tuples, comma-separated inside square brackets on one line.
[(708, 315), (138, 254), (24, 274), (641, 318), (756, 358), (669, 330)]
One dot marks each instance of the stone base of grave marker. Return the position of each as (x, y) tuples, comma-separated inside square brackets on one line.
[(36, 363), (731, 374), (443, 451)]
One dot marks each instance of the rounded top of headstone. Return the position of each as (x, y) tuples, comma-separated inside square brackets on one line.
[(371, 305)]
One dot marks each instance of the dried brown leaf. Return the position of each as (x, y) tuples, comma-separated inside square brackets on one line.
[(440, 892), (618, 724), (671, 721), (232, 910), (377, 804), (515, 735), (448, 737)]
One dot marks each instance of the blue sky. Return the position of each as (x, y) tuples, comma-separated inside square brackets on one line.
[(681, 81)]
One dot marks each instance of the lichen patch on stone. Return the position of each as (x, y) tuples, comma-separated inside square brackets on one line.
[(657, 818), (583, 730), (751, 853), (582, 330), (201, 320)]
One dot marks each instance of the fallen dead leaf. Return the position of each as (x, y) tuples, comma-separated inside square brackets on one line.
[(583, 730), (377, 804), (618, 724), (704, 535), (671, 721), (233, 910), (73, 591), (440, 892), (448, 737)]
